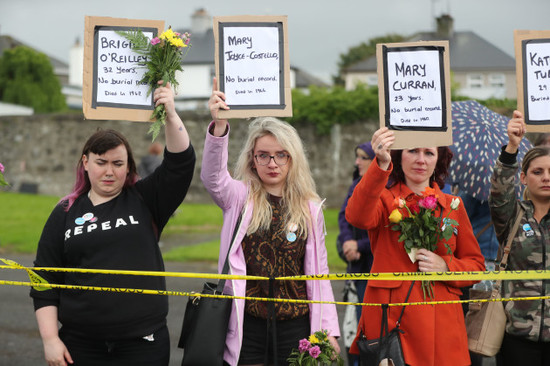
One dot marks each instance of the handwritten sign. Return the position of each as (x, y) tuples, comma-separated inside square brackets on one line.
[(252, 65), (533, 69), (118, 71), (414, 95), (537, 77), (415, 88), (112, 70)]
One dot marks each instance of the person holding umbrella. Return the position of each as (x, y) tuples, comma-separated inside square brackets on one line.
[(432, 335), (527, 337)]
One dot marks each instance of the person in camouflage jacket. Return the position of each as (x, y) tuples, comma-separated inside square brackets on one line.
[(527, 337)]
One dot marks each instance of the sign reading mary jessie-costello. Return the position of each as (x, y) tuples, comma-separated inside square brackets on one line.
[(414, 93), (252, 65)]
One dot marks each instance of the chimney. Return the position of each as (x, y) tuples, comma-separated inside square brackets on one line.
[(76, 63), (200, 22), (445, 26)]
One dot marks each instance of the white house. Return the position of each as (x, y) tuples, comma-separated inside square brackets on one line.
[(481, 70)]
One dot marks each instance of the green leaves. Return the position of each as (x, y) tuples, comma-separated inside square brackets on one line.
[(27, 78), (163, 61)]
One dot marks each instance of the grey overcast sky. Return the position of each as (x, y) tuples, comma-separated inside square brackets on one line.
[(319, 30)]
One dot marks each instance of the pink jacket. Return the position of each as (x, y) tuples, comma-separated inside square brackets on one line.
[(231, 195)]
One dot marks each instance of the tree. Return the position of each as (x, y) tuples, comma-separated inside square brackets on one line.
[(361, 52), (27, 78)]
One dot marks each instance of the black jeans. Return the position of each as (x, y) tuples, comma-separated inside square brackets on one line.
[(139, 351), (258, 339)]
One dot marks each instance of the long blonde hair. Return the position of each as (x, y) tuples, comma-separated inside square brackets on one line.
[(299, 188)]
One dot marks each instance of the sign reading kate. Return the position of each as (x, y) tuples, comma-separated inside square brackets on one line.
[(252, 65), (414, 93), (533, 78)]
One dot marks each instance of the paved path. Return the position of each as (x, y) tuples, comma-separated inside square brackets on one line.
[(20, 343)]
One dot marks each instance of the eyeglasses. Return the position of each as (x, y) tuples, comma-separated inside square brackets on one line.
[(280, 158)]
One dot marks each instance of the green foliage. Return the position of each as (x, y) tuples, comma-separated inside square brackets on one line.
[(27, 78), (325, 107), (22, 217), (361, 52), (505, 107)]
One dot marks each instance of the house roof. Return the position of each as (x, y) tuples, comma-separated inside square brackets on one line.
[(202, 52), (202, 48), (467, 51), (304, 80)]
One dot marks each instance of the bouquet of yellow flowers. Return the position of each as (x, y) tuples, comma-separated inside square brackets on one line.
[(421, 228), (164, 55), (314, 351)]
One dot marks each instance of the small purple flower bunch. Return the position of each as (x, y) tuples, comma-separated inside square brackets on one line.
[(316, 350), (2, 180)]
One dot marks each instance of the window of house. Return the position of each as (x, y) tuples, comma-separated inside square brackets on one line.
[(372, 80), (497, 80), (475, 81)]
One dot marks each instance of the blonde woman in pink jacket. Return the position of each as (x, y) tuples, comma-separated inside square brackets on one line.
[(281, 233)]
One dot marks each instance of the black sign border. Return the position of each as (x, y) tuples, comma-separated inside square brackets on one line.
[(278, 25), (441, 50), (525, 86), (95, 103)]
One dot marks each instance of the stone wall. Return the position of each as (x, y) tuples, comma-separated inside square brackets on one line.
[(40, 152)]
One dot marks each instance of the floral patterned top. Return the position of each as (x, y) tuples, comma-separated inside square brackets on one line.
[(275, 253)]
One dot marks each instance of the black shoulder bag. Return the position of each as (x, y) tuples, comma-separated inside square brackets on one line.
[(206, 321), (388, 346)]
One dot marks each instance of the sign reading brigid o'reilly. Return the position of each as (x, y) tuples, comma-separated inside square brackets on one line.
[(414, 93), (252, 65), (112, 70), (533, 78)]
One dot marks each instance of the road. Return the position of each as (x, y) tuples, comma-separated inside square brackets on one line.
[(20, 343)]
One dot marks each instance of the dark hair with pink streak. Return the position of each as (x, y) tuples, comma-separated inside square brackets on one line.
[(99, 143)]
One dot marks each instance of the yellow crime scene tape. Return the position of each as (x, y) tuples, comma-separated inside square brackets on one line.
[(41, 284)]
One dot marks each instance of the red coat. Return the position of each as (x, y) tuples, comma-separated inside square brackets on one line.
[(434, 334)]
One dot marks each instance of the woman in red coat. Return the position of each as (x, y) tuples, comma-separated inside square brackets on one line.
[(433, 334)]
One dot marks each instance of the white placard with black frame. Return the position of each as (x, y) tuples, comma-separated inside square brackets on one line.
[(252, 66), (118, 70), (112, 70), (536, 81), (414, 95), (415, 85)]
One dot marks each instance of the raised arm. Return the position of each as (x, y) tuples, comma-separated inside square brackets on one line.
[(516, 130), (177, 138), (215, 103)]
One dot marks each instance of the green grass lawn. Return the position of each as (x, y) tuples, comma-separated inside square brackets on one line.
[(22, 217)]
